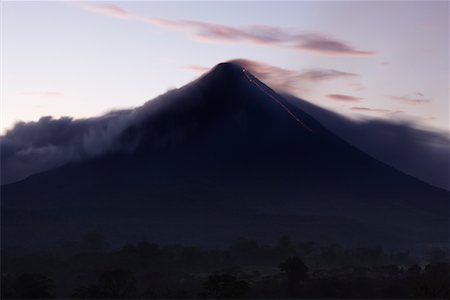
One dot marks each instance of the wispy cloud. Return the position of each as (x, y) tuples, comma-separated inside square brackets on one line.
[(371, 110), (291, 80), (357, 86), (316, 42), (277, 77), (262, 35), (282, 78), (325, 74), (344, 98), (325, 44), (418, 98), (109, 10), (197, 68)]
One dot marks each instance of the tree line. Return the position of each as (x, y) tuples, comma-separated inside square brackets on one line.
[(246, 269)]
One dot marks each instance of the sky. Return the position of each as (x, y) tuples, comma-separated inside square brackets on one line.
[(381, 59)]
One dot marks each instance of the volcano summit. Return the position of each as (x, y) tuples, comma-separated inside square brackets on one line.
[(220, 158)]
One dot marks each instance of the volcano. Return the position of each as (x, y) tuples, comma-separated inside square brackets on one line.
[(221, 158)]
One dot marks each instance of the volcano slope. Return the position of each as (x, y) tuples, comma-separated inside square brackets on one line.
[(220, 158)]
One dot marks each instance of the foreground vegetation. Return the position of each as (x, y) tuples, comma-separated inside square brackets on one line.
[(88, 270)]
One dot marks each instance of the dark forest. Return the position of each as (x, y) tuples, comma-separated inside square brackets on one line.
[(90, 269)]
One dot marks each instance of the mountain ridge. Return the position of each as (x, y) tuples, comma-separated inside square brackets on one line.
[(238, 157)]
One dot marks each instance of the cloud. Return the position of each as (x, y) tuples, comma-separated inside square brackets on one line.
[(290, 80), (32, 147), (277, 77), (262, 35), (315, 42), (357, 86), (109, 10), (416, 151), (367, 109), (345, 98), (412, 100), (43, 94), (327, 45), (197, 68), (326, 74), (258, 34)]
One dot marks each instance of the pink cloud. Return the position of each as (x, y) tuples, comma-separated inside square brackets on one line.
[(357, 86), (327, 45), (262, 35), (345, 98), (412, 100), (276, 77), (290, 80), (109, 10), (367, 109), (326, 74), (255, 34), (197, 68)]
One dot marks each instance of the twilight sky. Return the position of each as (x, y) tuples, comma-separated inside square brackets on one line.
[(380, 59)]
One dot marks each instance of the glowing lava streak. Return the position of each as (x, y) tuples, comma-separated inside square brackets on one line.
[(277, 101)]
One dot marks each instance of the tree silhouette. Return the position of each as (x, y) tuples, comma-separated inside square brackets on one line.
[(88, 292), (7, 291), (177, 271), (32, 286), (285, 247), (294, 271), (147, 251), (437, 255), (246, 250), (434, 282), (117, 284), (225, 286)]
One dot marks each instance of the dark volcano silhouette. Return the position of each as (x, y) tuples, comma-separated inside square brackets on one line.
[(221, 158)]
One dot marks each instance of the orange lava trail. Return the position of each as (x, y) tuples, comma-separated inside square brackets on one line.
[(277, 101)]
